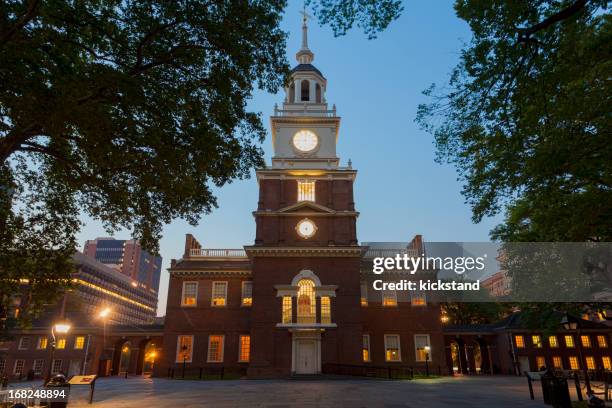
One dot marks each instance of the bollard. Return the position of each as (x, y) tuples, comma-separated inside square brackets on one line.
[(577, 383), (530, 386)]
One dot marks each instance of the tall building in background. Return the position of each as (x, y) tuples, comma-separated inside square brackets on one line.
[(129, 258)]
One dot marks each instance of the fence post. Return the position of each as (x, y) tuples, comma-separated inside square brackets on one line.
[(529, 385), (577, 383), (201, 369)]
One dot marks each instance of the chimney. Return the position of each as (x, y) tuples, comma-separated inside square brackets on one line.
[(417, 244), (190, 243)]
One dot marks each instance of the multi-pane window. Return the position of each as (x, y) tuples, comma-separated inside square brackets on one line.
[(569, 341), (607, 364), (79, 342), (38, 366), (61, 343), (537, 341), (557, 363), (421, 346), (184, 349), (189, 296), (586, 341), (366, 347), (19, 365), (42, 343), (287, 310), (247, 293), (24, 343), (2, 367), (306, 190), (418, 299), (602, 342), (519, 341), (573, 362), (215, 348), (244, 353), (540, 362), (325, 310), (389, 298), (392, 347), (219, 294), (364, 294), (552, 341), (306, 312), (56, 367), (590, 362)]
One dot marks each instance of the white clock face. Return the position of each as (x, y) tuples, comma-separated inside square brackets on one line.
[(306, 228), (305, 141)]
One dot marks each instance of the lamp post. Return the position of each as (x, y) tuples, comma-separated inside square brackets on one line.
[(61, 328), (184, 350), (571, 323), (104, 315), (427, 350)]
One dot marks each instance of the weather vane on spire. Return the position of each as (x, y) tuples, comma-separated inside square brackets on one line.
[(304, 55)]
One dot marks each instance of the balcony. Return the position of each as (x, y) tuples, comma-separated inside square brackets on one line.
[(305, 111), (391, 253)]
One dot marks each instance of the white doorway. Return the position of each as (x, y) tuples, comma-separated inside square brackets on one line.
[(306, 363), (75, 367), (524, 364), (306, 351)]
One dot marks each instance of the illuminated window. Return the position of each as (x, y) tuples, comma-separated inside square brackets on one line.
[(557, 363), (537, 341), (586, 341), (569, 341), (190, 294), (19, 364), (245, 348), (184, 349), (602, 342), (519, 341), (79, 342), (364, 294), (421, 345), (366, 347), (389, 298), (61, 343), (573, 360), (392, 348), (247, 293), (219, 294), (325, 310), (306, 190), (287, 310), (552, 341), (306, 302), (607, 364), (215, 348), (37, 367), (540, 362), (42, 343), (24, 343), (590, 362), (418, 299), (56, 367)]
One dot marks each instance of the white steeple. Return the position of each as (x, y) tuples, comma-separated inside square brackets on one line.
[(304, 55)]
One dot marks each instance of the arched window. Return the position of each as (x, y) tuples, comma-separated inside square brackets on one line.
[(318, 93), (306, 303), (291, 93), (305, 90)]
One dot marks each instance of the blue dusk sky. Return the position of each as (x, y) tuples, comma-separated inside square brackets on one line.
[(376, 85)]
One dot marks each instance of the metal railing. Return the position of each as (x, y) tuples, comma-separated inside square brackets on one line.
[(392, 373), (205, 373), (330, 113), (218, 253), (375, 253)]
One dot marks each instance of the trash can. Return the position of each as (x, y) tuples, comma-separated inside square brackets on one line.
[(58, 381), (560, 394), (548, 385)]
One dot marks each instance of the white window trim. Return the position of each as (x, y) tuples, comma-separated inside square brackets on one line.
[(416, 351), (183, 294), (42, 366), (178, 348), (22, 367), (244, 283), (419, 294), (212, 294), (76, 342), (53, 365), (208, 360), (21, 339), (399, 348), (363, 289), (240, 360), (38, 347), (369, 349), (387, 292)]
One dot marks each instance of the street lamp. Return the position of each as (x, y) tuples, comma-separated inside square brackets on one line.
[(60, 328), (427, 350), (103, 315), (570, 323)]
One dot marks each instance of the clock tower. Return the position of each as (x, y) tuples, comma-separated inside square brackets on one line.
[(305, 258)]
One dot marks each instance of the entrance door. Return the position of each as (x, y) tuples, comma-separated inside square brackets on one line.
[(306, 357), (524, 363)]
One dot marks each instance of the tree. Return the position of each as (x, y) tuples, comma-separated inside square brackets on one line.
[(128, 111), (474, 312), (526, 119)]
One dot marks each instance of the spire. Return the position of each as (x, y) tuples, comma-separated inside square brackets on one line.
[(304, 55)]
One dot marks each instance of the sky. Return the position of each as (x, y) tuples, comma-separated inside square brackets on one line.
[(377, 86)]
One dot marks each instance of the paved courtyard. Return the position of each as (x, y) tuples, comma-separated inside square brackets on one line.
[(497, 392)]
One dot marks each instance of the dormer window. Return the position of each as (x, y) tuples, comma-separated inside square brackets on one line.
[(306, 190)]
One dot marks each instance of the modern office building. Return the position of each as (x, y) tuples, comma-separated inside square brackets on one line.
[(128, 257)]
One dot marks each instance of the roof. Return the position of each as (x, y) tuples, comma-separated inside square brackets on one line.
[(305, 68)]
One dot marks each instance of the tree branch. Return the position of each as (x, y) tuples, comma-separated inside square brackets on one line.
[(524, 34), (21, 22)]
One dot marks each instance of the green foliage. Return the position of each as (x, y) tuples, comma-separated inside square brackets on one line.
[(475, 312), (526, 119)]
